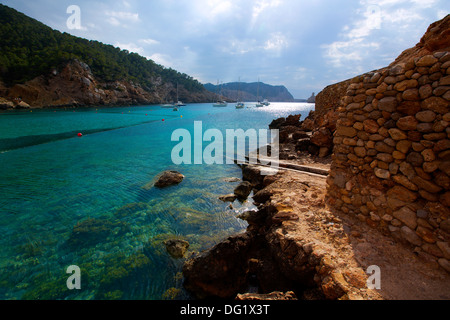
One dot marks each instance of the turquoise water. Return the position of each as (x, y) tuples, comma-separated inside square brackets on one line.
[(68, 200)]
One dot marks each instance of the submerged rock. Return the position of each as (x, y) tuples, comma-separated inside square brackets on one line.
[(169, 178), (176, 248)]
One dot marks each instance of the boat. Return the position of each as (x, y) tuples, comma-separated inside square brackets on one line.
[(175, 109), (220, 104), (174, 105), (259, 103), (266, 102), (239, 104)]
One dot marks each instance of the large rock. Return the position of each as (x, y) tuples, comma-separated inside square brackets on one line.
[(243, 190), (220, 271), (169, 178)]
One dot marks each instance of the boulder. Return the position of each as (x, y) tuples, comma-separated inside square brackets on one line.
[(169, 178), (243, 190)]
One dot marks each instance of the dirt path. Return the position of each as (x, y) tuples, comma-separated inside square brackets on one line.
[(354, 245)]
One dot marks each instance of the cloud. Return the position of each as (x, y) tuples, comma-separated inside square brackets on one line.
[(276, 42), (149, 41), (121, 18), (131, 47)]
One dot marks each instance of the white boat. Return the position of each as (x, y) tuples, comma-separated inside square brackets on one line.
[(258, 104), (168, 106), (180, 104), (239, 104), (220, 104), (266, 102)]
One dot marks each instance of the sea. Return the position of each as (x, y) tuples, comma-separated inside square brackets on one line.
[(79, 218)]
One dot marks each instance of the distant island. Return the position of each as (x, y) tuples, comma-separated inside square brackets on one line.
[(249, 92)]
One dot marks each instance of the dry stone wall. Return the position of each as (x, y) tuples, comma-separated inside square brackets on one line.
[(391, 160)]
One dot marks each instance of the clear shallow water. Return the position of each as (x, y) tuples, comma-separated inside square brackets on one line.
[(67, 200)]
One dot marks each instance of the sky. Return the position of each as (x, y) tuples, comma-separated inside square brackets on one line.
[(304, 45)]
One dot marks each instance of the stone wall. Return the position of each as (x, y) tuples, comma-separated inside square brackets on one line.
[(391, 161)]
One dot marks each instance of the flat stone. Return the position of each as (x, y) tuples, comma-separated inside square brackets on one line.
[(444, 263), (228, 198), (382, 174), (388, 104), (406, 84), (445, 81), (415, 158), (346, 131), (426, 61), (410, 236), (411, 95), (409, 107), (426, 116), (407, 123), (426, 185), (402, 194), (436, 104), (407, 216), (370, 126), (397, 134), (403, 146), (404, 181)]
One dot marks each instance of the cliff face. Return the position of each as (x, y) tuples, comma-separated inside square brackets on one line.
[(75, 85)]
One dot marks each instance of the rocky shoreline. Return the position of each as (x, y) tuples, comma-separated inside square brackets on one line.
[(311, 237), (295, 247)]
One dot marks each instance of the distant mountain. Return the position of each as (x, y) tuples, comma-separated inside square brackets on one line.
[(249, 91), (43, 67)]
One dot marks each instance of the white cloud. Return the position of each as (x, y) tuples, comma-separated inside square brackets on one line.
[(130, 47), (121, 18), (277, 42), (162, 59), (149, 41)]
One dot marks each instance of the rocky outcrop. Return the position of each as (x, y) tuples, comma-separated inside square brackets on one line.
[(169, 178), (76, 85)]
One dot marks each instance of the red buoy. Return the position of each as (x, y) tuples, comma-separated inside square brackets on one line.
[(162, 119), (80, 134)]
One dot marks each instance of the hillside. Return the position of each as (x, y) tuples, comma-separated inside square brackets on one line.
[(33, 58), (249, 91)]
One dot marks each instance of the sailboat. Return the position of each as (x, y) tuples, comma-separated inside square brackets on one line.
[(174, 105), (239, 104), (258, 104), (220, 104)]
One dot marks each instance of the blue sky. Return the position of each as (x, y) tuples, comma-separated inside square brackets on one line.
[(302, 44)]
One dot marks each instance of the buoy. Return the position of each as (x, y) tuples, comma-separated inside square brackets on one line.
[(80, 134), (181, 116), (146, 114), (162, 119)]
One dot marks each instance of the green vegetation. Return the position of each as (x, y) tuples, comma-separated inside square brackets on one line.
[(29, 49)]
